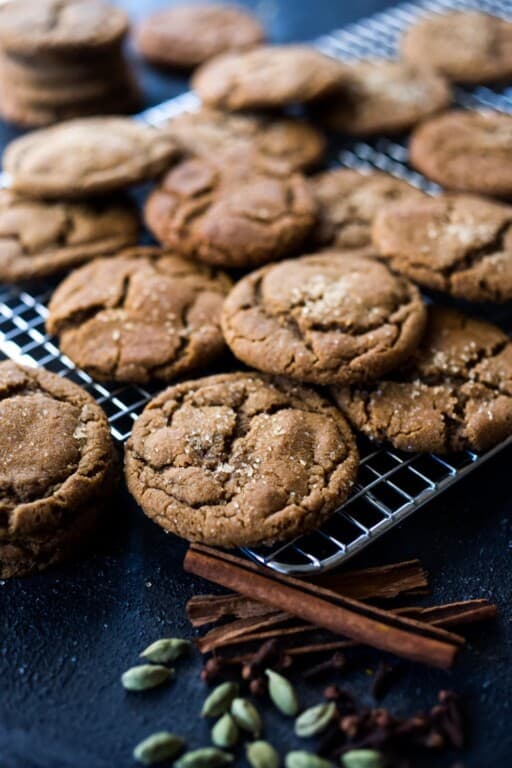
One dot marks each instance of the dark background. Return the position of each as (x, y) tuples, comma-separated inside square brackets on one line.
[(68, 634)]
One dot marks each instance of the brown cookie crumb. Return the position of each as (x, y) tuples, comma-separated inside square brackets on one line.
[(240, 459)]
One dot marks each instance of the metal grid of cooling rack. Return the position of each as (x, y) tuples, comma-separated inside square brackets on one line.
[(391, 484)]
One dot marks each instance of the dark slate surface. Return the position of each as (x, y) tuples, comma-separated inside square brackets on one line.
[(66, 635)]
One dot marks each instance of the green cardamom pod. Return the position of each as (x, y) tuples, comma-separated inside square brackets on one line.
[(314, 720), (219, 700), (246, 716), (282, 693), (261, 754), (206, 757), (301, 759), (145, 676), (225, 732), (165, 650), (363, 758), (158, 747)]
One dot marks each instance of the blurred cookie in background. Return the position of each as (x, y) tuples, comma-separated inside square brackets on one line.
[(185, 36)]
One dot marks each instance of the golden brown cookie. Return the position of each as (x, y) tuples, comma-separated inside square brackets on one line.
[(188, 35), (456, 393), (328, 318), (28, 27), (466, 151), (348, 202), (229, 218), (464, 46), (267, 77), (84, 157), (40, 238), (57, 468), (454, 243), (143, 315), (380, 96), (240, 459), (275, 146)]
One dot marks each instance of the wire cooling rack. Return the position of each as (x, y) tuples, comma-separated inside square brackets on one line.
[(391, 484)]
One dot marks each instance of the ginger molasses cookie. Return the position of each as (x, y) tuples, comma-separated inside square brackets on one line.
[(327, 318), (466, 151), (275, 146), (267, 77), (464, 46), (348, 202), (143, 315), (188, 35), (230, 217), (240, 459), (379, 96), (40, 238), (84, 157), (455, 394), (57, 468), (460, 244), (28, 27)]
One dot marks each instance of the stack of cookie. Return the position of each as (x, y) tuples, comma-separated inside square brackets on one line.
[(312, 282), (61, 59)]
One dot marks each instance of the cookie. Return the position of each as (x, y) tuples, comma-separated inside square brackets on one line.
[(456, 393), (231, 217), (327, 318), (466, 151), (39, 238), (29, 27), (348, 202), (275, 146), (454, 243), (464, 46), (379, 96), (141, 316), (186, 36), (267, 77), (57, 468), (84, 157), (240, 459)]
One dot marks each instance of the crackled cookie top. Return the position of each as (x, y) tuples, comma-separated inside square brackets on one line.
[(456, 394), (188, 35), (267, 77), (55, 458), (219, 217), (464, 46), (348, 202), (275, 146), (380, 96), (466, 151), (240, 459), (145, 314), (454, 243), (327, 318), (36, 26), (39, 238), (87, 156)]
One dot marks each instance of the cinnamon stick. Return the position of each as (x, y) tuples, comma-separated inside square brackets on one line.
[(238, 631), (452, 614), (386, 581), (381, 629)]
